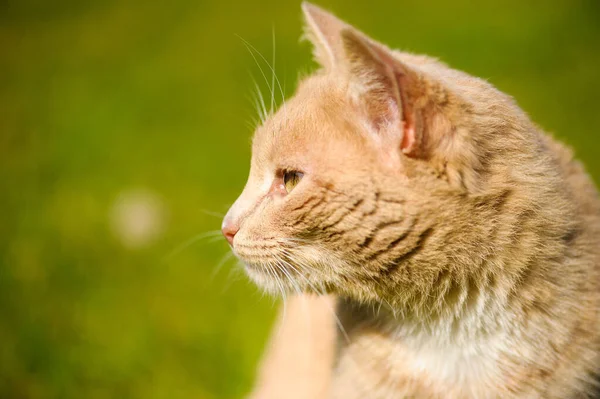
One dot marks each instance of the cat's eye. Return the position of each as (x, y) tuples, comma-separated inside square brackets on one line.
[(291, 178)]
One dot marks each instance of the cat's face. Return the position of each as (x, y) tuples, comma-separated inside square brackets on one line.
[(311, 199), (353, 178)]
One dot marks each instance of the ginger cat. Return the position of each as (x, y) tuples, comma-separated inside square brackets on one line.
[(462, 242)]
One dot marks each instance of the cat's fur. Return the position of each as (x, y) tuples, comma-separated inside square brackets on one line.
[(462, 241)]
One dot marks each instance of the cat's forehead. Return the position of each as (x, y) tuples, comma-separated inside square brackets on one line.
[(315, 115)]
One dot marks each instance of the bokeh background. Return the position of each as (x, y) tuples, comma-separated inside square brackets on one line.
[(124, 137)]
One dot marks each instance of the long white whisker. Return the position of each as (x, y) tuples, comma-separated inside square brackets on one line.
[(262, 109), (277, 280), (331, 310), (227, 257), (273, 74), (288, 254), (270, 67), (189, 242), (249, 47), (339, 324), (282, 265), (255, 99), (283, 296), (212, 213), (232, 272), (253, 123)]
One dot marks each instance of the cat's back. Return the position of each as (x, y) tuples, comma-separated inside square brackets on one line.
[(579, 183)]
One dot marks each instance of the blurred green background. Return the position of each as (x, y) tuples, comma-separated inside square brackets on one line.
[(124, 134)]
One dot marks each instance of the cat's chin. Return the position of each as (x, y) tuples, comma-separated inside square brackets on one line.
[(275, 283), (265, 278)]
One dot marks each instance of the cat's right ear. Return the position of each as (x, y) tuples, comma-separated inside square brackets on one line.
[(323, 30)]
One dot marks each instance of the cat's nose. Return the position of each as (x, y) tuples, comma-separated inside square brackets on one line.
[(229, 230)]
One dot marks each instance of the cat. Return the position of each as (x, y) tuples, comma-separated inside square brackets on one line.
[(462, 242)]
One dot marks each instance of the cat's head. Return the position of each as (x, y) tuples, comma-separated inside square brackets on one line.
[(361, 182)]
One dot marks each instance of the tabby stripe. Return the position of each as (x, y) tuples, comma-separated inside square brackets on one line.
[(394, 243), (375, 205), (367, 241), (341, 218), (309, 210), (308, 201), (396, 262), (390, 246)]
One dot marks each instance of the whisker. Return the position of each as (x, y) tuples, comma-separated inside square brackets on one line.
[(214, 234), (273, 73), (330, 308), (252, 123), (311, 285), (212, 213), (251, 47), (339, 324), (253, 99), (217, 238), (283, 296), (263, 108), (281, 265), (281, 90), (257, 100), (234, 271), (227, 257)]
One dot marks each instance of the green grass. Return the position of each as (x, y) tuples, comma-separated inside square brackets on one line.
[(100, 99)]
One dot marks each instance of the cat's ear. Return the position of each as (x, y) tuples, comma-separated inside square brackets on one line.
[(385, 90), (323, 30), (391, 95)]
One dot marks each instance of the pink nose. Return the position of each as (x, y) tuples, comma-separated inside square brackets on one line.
[(229, 231)]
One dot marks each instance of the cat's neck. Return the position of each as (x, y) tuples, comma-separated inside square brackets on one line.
[(451, 353), (469, 314)]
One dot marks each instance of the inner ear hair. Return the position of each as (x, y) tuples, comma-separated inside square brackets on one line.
[(382, 79)]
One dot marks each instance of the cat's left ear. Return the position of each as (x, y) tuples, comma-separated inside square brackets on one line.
[(384, 88), (387, 92), (323, 30)]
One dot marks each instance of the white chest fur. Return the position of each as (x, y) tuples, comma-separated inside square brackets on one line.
[(415, 363)]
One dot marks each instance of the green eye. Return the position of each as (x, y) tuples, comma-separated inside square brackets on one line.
[(291, 178)]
